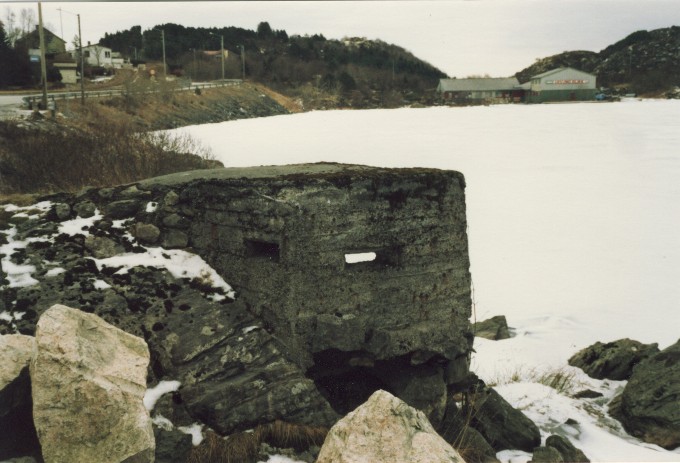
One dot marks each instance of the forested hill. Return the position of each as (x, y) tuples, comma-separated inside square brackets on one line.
[(644, 62), (323, 72)]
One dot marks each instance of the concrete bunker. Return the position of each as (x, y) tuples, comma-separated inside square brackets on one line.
[(362, 272)]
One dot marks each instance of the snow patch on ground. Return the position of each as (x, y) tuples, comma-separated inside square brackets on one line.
[(78, 225), (178, 263), (152, 395), (280, 459), (195, 431), (18, 275)]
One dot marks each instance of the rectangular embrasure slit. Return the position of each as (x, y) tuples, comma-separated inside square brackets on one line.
[(263, 249), (359, 257)]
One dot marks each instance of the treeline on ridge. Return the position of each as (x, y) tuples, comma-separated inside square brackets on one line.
[(322, 72)]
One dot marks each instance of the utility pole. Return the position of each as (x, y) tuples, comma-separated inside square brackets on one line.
[(165, 72), (243, 64), (222, 51), (82, 63), (61, 23), (43, 65)]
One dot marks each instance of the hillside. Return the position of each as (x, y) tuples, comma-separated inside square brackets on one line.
[(645, 62), (322, 73)]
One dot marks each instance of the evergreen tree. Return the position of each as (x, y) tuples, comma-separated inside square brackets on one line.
[(14, 69)]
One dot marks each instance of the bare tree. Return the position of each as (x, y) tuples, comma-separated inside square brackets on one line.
[(11, 30), (27, 20)]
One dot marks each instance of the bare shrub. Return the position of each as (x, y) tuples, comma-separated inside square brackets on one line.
[(105, 153)]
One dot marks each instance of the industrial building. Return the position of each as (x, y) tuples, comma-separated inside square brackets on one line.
[(480, 91), (561, 84)]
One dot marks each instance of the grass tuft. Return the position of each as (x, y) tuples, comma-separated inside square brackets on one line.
[(243, 447)]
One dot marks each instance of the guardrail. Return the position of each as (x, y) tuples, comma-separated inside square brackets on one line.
[(32, 101)]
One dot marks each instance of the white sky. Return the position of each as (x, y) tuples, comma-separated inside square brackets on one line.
[(498, 37)]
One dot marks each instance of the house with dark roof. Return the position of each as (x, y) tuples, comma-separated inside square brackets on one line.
[(480, 91), (56, 56)]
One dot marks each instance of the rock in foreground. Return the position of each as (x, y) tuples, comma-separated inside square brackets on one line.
[(17, 435), (88, 383), (385, 430), (649, 407)]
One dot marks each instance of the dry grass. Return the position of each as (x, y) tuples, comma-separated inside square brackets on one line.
[(104, 152), (563, 380), (243, 447)]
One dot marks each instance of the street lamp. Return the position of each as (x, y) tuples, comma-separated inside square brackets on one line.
[(243, 64), (221, 51), (80, 53)]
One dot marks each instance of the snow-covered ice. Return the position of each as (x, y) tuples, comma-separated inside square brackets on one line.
[(573, 218)]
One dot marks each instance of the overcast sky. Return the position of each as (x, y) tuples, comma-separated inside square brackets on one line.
[(460, 37)]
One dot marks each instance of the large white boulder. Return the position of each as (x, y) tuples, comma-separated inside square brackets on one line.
[(88, 382), (386, 430), (15, 352), (17, 434)]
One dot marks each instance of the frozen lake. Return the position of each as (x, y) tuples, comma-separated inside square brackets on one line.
[(573, 209)]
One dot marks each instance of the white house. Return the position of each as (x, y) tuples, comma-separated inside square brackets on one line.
[(98, 55)]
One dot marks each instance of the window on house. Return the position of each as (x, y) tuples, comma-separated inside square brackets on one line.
[(86, 54), (107, 54)]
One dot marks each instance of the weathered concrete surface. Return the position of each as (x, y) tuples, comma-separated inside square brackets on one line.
[(88, 380), (280, 236), (385, 430)]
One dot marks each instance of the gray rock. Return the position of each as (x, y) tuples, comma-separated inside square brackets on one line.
[(171, 198), (613, 360), (546, 455), (62, 210), (422, 387), (648, 407), (171, 445), (566, 449), (175, 239), (456, 430), (121, 209), (106, 193), (176, 221), (102, 247), (133, 192), (495, 328), (385, 430), (503, 426), (88, 381), (85, 209), (146, 233)]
